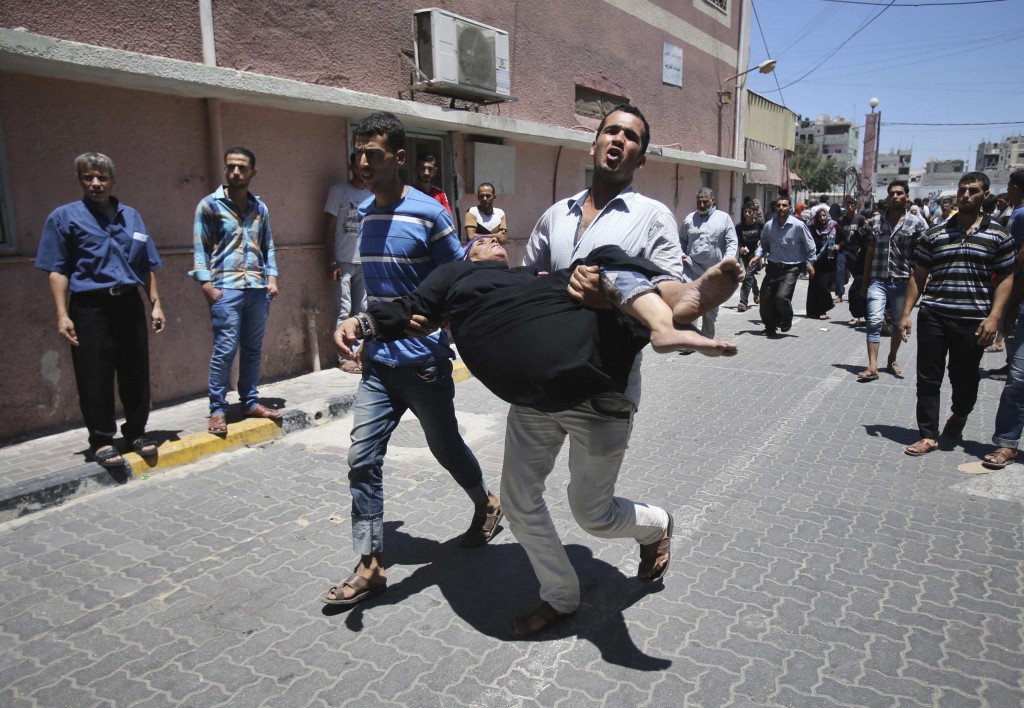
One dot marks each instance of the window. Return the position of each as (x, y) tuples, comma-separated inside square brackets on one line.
[(596, 104), (722, 5)]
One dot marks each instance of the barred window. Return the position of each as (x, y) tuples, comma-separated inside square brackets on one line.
[(595, 104), (722, 5)]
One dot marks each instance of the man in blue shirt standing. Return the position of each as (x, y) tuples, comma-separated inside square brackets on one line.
[(234, 261), (788, 245), (98, 252), (403, 236)]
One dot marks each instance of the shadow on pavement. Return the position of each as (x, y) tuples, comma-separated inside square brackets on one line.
[(489, 585), (903, 436)]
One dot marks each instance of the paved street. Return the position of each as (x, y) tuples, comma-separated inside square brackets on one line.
[(813, 563)]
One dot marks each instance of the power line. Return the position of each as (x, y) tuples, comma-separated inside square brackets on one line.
[(767, 52), (863, 26), (1003, 122)]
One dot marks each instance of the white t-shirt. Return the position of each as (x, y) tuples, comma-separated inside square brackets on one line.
[(492, 223), (343, 202)]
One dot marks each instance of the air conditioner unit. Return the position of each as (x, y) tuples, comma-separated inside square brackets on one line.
[(459, 57)]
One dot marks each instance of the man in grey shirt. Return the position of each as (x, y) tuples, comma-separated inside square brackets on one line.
[(706, 237), (609, 213), (788, 245)]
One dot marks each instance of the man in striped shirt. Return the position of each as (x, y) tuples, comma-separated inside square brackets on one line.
[(234, 261), (403, 236), (964, 267)]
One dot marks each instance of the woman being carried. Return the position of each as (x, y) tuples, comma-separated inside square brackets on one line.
[(530, 343)]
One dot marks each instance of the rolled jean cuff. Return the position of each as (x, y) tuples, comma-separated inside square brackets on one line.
[(1005, 442), (368, 534)]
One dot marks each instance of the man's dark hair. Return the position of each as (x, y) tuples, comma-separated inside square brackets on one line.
[(426, 158), (1002, 195), (976, 177), (989, 205), (645, 139), (1016, 179), (823, 199), (945, 201), (899, 183), (382, 124), (352, 157), (486, 184), (781, 199), (241, 151)]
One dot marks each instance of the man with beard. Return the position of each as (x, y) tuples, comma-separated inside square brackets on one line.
[(965, 270), (706, 237)]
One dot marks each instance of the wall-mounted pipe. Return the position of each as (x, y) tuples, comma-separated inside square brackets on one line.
[(213, 120)]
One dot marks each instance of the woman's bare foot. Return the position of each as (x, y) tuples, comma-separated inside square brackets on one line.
[(691, 300), (674, 340)]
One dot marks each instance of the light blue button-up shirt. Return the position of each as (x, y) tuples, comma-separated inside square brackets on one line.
[(789, 243)]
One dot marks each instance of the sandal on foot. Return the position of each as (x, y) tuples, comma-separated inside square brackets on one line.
[(218, 425), (954, 427), (364, 590), (894, 369), (921, 447), (741, 307), (481, 529), (993, 349), (109, 458), (999, 458), (867, 375), (351, 366), (540, 617), (144, 447), (650, 553)]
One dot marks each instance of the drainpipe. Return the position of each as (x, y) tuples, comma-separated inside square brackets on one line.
[(311, 311), (212, 104)]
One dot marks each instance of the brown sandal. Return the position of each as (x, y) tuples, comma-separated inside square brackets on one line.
[(999, 458), (364, 589), (218, 424), (921, 447), (540, 617), (651, 553), (481, 529)]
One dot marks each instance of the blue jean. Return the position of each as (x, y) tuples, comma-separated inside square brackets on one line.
[(239, 319), (1010, 415), (385, 394), (840, 273), (882, 294)]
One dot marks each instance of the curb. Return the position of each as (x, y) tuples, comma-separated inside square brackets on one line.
[(58, 487)]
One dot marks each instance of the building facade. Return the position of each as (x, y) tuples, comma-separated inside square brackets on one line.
[(163, 88), (892, 165), (836, 137), (769, 140)]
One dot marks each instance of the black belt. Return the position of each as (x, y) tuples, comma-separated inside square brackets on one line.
[(114, 291)]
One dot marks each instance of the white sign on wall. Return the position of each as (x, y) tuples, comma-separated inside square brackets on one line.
[(672, 65)]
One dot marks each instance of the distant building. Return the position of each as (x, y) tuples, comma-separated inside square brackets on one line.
[(987, 159), (943, 173), (893, 165), (833, 137), (768, 140)]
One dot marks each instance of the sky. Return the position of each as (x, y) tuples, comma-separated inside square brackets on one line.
[(934, 63)]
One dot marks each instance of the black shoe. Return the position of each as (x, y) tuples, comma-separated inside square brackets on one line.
[(770, 333), (786, 328)]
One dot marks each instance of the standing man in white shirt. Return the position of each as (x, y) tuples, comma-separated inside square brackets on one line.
[(486, 219), (341, 241), (706, 237)]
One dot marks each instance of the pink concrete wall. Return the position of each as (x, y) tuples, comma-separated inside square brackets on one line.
[(169, 28), (328, 43), (159, 145)]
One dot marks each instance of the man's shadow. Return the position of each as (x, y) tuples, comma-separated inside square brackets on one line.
[(488, 586)]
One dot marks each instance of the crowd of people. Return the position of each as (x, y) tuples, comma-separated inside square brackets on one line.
[(606, 272)]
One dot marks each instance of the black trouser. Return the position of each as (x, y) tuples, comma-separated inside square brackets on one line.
[(749, 279), (938, 334), (777, 295), (112, 338)]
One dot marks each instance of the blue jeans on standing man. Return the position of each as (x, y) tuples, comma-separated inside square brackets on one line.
[(385, 394), (881, 294), (239, 319), (1010, 415)]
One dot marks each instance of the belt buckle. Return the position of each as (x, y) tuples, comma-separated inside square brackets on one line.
[(118, 290)]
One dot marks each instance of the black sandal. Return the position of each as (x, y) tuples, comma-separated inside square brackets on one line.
[(144, 447), (105, 457)]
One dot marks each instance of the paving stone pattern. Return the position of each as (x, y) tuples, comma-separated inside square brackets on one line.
[(814, 564)]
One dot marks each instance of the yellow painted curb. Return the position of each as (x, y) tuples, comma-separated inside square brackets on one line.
[(190, 448), (460, 373)]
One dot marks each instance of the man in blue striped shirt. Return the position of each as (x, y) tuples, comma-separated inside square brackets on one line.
[(404, 235), (234, 261), (964, 267)]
